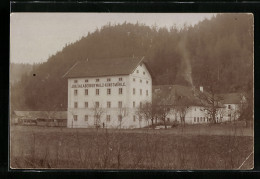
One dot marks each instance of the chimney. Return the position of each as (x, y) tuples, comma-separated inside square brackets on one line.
[(201, 89)]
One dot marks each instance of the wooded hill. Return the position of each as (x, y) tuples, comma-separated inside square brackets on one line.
[(222, 45)]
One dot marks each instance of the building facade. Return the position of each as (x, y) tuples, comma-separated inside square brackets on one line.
[(107, 93)]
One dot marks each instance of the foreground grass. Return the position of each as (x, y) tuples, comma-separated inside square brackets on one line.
[(39, 147)]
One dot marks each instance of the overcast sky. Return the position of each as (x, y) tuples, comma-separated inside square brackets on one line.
[(36, 36)]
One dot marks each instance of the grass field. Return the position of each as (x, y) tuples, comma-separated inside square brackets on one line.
[(193, 147)]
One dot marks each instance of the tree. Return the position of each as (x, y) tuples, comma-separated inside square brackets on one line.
[(245, 109), (148, 111), (182, 106), (122, 112), (98, 111), (210, 99)]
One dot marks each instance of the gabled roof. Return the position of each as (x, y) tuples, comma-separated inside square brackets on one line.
[(104, 67), (231, 98)]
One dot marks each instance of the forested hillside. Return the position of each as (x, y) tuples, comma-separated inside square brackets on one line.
[(19, 70), (223, 45)]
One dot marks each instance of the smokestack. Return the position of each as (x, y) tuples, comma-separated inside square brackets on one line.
[(201, 89)]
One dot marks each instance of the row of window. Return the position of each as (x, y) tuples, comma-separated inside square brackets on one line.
[(203, 119), (108, 118), (109, 79), (120, 104), (120, 91), (97, 80), (141, 81)]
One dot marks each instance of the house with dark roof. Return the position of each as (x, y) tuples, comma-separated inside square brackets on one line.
[(107, 92), (185, 104)]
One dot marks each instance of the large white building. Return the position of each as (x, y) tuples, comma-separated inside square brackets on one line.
[(107, 92)]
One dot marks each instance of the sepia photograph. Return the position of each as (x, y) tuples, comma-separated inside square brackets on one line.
[(131, 91)]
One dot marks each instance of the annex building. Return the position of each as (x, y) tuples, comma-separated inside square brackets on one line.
[(107, 92)]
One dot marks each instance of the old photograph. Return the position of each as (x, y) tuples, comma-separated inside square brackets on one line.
[(137, 91)]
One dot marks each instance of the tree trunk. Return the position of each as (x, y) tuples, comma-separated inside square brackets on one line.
[(152, 122), (164, 121)]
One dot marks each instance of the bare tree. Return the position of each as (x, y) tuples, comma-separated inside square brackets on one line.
[(122, 113), (148, 111), (182, 106), (162, 105), (98, 111), (210, 99)]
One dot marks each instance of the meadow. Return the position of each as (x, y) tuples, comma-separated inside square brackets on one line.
[(196, 147)]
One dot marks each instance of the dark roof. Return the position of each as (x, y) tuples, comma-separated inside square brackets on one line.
[(41, 114), (165, 92), (104, 67), (231, 98)]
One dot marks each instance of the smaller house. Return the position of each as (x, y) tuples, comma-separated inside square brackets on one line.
[(233, 103), (184, 104)]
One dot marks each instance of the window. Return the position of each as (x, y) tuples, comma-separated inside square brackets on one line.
[(141, 91), (108, 91), (108, 118), (97, 104), (120, 91), (97, 91), (120, 79), (108, 79), (146, 92), (133, 79), (144, 73), (86, 117), (204, 119), (140, 81), (141, 64), (141, 104), (86, 91), (75, 117), (97, 80), (120, 104), (108, 104), (137, 71), (134, 118), (75, 104), (229, 106), (194, 119), (120, 118), (133, 104), (198, 119), (75, 92), (146, 82), (75, 81), (86, 81), (207, 119), (133, 91), (86, 104)]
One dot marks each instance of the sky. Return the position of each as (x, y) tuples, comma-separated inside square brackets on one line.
[(36, 36)]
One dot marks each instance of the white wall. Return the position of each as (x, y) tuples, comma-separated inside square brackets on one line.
[(127, 99)]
